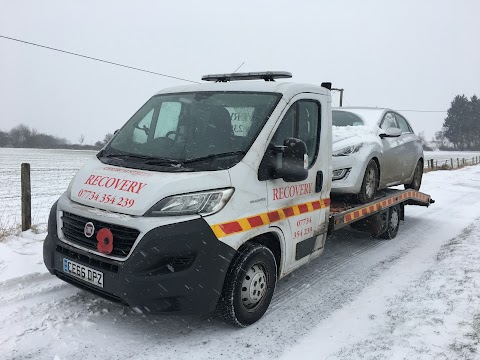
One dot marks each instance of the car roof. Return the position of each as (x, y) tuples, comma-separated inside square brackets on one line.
[(287, 89), (371, 115), (365, 109)]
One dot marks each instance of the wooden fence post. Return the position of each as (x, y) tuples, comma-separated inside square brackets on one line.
[(451, 163), (458, 162), (26, 197), (436, 164), (431, 164)]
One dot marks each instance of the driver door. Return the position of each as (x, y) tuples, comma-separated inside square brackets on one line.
[(299, 209)]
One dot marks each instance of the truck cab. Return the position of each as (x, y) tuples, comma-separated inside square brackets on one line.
[(202, 200)]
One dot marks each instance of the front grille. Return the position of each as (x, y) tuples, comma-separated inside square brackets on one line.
[(73, 230)]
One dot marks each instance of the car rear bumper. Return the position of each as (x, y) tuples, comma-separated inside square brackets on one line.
[(178, 268)]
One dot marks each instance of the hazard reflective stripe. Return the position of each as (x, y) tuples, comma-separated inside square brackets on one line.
[(251, 222), (372, 208)]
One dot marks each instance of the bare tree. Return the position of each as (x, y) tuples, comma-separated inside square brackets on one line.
[(107, 138)]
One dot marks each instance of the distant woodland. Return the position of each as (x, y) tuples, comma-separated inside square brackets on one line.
[(22, 136)]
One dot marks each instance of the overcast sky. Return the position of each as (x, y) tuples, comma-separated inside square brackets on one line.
[(402, 54)]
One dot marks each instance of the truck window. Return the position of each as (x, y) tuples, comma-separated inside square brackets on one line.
[(241, 120), (167, 118), (141, 131), (302, 121), (189, 126)]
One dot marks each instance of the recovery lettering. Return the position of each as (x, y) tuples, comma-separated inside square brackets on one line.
[(115, 183), (292, 191)]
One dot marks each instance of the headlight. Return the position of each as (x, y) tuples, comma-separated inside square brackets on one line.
[(349, 150), (339, 174), (202, 203)]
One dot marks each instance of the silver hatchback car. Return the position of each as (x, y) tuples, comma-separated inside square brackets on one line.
[(373, 149)]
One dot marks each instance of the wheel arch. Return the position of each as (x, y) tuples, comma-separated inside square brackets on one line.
[(413, 172), (272, 241), (375, 158)]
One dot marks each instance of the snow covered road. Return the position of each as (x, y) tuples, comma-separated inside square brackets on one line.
[(416, 296)]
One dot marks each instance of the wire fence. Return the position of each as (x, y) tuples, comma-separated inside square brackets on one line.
[(450, 163)]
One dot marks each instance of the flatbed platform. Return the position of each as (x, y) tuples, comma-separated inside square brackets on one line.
[(343, 213)]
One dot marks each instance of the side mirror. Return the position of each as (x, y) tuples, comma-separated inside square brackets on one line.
[(293, 160), (391, 132), (115, 132)]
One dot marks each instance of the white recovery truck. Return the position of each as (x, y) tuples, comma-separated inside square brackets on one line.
[(207, 196)]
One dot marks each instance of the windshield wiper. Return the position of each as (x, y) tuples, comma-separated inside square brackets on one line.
[(144, 157), (162, 161), (215, 156), (149, 160)]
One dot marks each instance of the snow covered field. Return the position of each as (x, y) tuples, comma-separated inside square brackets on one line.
[(51, 172), (414, 297)]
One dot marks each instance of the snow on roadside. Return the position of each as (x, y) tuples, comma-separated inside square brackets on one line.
[(21, 255), (433, 313)]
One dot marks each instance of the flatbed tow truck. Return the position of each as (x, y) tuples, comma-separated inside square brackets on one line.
[(207, 196)]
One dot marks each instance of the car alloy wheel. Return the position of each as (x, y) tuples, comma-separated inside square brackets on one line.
[(370, 186), (369, 183), (417, 177)]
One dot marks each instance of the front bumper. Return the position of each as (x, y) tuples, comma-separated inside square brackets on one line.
[(352, 182), (177, 268)]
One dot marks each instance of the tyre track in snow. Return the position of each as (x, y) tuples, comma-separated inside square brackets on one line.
[(16, 290), (71, 323)]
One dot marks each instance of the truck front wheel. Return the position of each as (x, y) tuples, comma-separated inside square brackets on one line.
[(249, 285)]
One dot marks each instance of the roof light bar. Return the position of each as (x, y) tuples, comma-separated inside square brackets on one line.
[(265, 75)]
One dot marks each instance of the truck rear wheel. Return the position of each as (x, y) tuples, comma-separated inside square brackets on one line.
[(393, 223), (249, 285)]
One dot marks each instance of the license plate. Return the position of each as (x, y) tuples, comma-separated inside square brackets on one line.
[(83, 272)]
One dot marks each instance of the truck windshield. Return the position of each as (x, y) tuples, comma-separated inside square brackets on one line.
[(173, 130)]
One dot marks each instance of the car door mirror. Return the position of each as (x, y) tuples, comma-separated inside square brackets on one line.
[(391, 132), (292, 166)]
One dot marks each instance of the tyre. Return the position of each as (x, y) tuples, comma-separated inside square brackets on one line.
[(249, 285), (393, 223), (369, 184), (417, 177)]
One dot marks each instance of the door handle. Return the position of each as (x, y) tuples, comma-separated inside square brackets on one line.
[(319, 182)]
